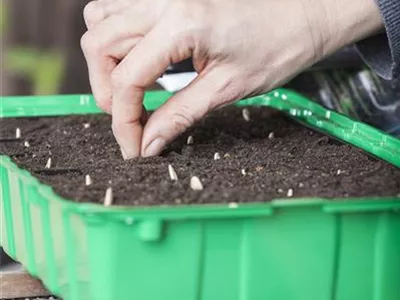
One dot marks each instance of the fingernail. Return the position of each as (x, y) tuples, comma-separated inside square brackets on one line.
[(155, 147)]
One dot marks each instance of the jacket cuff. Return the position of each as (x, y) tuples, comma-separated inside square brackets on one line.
[(382, 52)]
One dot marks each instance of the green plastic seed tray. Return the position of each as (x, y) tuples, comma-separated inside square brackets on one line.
[(300, 249)]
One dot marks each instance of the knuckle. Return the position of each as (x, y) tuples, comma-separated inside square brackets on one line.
[(182, 120), (233, 87), (230, 88), (225, 87), (91, 13), (182, 38), (89, 44), (86, 41)]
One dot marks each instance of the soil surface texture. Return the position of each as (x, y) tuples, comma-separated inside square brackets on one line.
[(266, 157)]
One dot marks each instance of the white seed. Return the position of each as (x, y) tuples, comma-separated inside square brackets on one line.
[(233, 205), (196, 184), (86, 125), (18, 133), (243, 171), (129, 220), (227, 155), (290, 192), (108, 198), (259, 168), (217, 156), (48, 164), (190, 140), (172, 173), (26, 144), (88, 180), (271, 135), (246, 114), (339, 172)]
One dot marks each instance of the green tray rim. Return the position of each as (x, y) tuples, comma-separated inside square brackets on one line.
[(300, 108)]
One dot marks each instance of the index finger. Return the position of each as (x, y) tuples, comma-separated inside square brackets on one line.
[(140, 68), (103, 46)]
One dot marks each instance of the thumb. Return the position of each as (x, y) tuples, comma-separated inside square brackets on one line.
[(208, 91)]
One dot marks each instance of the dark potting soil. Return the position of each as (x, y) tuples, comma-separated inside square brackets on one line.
[(252, 167)]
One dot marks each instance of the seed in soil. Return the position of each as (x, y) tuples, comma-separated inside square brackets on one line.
[(195, 184), (88, 180), (172, 174), (108, 198), (233, 205), (18, 133), (48, 163), (290, 193), (190, 140), (271, 135), (217, 156), (246, 114)]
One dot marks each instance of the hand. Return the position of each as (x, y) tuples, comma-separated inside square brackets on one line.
[(239, 48)]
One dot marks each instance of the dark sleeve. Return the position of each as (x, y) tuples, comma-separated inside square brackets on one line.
[(382, 52)]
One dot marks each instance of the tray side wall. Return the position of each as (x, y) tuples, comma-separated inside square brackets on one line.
[(84, 256)]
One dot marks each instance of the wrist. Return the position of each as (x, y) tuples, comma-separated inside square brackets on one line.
[(338, 23)]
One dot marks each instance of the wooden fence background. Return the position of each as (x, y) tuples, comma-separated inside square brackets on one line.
[(42, 27)]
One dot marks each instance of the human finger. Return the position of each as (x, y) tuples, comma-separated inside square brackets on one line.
[(139, 69), (209, 90)]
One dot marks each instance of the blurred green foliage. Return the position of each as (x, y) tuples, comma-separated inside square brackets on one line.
[(3, 17), (44, 69)]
